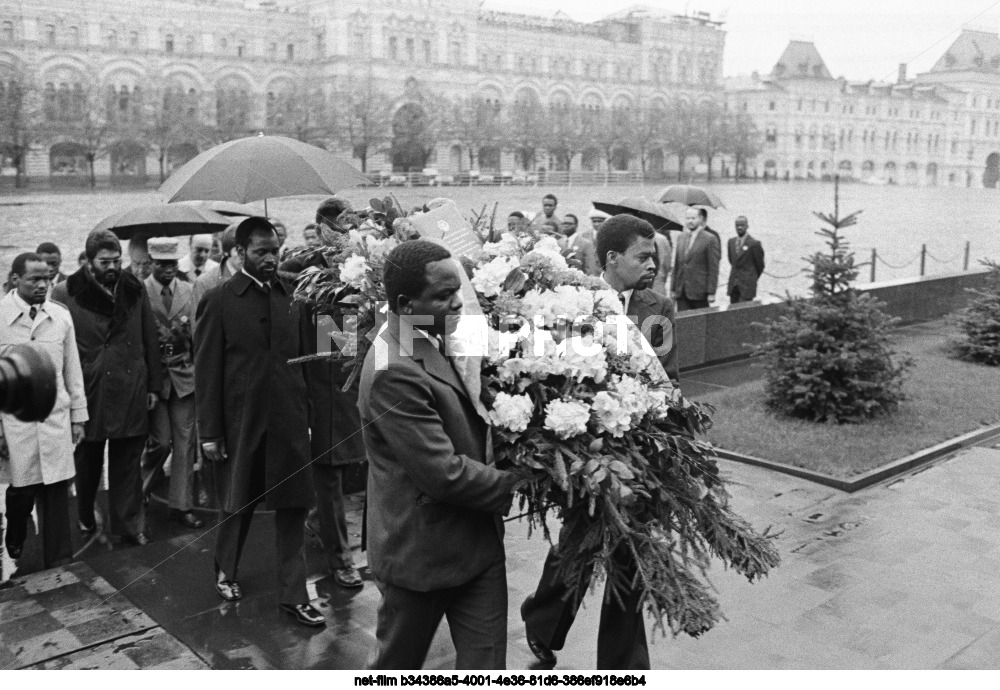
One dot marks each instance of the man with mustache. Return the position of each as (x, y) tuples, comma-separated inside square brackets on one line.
[(626, 249), (252, 413), (120, 353)]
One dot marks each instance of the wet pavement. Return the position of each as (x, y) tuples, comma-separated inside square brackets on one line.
[(901, 575)]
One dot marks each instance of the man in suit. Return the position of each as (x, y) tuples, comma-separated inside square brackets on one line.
[(580, 250), (41, 453), (196, 261), (228, 266), (627, 251), (120, 354), (172, 422), (252, 415), (435, 501), (746, 260), (696, 271)]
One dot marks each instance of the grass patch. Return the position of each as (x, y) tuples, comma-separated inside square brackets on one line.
[(945, 398)]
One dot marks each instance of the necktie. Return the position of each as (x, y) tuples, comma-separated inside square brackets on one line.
[(621, 298), (168, 297), (33, 312)]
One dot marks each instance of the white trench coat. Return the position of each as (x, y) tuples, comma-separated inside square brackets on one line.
[(42, 452)]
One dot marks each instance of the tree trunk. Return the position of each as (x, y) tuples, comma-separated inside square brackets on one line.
[(709, 157), (93, 177), (162, 160), (680, 166), (364, 160)]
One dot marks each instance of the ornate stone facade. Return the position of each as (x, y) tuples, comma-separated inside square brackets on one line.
[(940, 128), (225, 68)]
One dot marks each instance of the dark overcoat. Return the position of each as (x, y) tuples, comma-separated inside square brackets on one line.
[(249, 395), (333, 412), (119, 352), (660, 335), (696, 272), (746, 266), (434, 501)]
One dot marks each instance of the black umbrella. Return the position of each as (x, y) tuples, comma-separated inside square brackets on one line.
[(164, 220), (226, 208), (659, 216), (689, 195)]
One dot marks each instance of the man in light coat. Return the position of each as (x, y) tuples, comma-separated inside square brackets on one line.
[(172, 422), (696, 271), (41, 453)]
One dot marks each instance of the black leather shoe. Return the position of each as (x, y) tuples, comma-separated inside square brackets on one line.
[(229, 590), (305, 614), (139, 539), (348, 577), (541, 652), (85, 529), (14, 551), (187, 518)]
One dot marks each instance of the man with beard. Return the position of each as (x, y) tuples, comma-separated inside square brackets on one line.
[(252, 415), (41, 453), (119, 350), (626, 249)]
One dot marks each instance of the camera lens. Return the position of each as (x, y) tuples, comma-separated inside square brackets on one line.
[(27, 383)]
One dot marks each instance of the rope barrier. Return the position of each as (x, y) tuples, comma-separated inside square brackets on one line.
[(788, 277), (886, 263), (944, 261)]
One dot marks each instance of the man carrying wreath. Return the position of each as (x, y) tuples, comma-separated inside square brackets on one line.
[(626, 250)]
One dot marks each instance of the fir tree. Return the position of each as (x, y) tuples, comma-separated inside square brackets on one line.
[(829, 358), (980, 322)]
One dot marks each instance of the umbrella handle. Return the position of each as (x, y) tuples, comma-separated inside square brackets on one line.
[(265, 207)]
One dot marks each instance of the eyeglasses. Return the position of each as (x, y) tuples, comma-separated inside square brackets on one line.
[(105, 263)]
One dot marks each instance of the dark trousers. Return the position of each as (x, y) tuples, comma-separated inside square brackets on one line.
[(53, 514), (289, 528), (476, 613), (735, 296), (124, 482), (683, 303), (329, 484), (621, 636)]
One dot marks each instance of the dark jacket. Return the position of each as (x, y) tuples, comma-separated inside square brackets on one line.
[(434, 504), (247, 393), (119, 352), (747, 265), (647, 303)]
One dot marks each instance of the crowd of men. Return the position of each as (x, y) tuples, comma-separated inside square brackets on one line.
[(185, 355)]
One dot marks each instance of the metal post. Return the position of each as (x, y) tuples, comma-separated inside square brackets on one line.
[(923, 259), (965, 263), (874, 259)]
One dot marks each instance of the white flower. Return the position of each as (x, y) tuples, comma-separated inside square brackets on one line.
[(567, 418), (633, 396), (610, 415), (488, 278), (608, 301), (579, 363), (564, 302), (512, 411), (354, 271), (548, 250), (507, 246)]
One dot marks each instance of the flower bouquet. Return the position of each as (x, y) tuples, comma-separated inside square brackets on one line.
[(583, 411)]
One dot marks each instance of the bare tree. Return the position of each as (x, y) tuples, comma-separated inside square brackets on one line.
[(744, 141), (525, 125), (712, 121), (95, 126), (567, 133), (20, 118), (646, 132), (680, 134), (365, 118), (612, 132), (474, 123)]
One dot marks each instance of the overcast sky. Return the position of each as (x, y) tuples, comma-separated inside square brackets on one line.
[(858, 39)]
